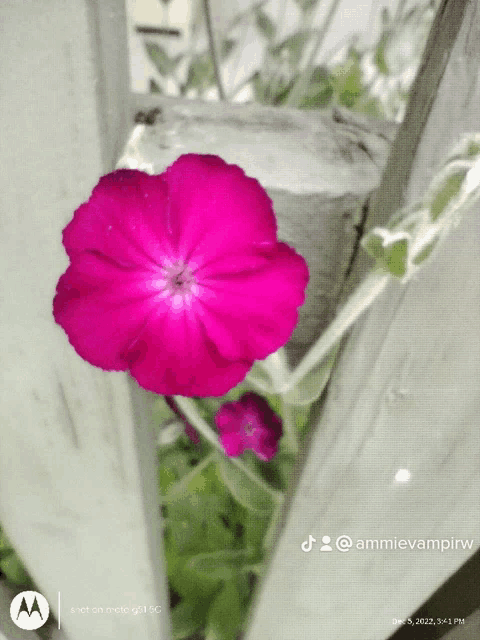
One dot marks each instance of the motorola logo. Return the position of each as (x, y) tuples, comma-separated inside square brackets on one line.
[(29, 610)]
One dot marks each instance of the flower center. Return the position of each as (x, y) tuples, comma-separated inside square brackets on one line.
[(249, 428), (179, 279)]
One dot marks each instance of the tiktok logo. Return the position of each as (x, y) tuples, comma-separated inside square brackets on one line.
[(307, 545), (29, 610)]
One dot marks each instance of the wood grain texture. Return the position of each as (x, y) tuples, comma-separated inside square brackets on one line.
[(405, 395), (78, 487)]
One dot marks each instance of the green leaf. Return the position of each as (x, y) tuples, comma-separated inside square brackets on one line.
[(5, 547), (319, 95), (225, 615), (285, 463), (172, 466), (319, 91), (312, 385), (198, 509), (447, 191), (14, 570), (193, 482), (260, 88), (264, 24), (282, 91), (243, 586), (255, 527), (271, 535), (389, 248), (185, 620), (294, 45), (190, 585), (370, 107), (302, 415), (247, 492), (201, 74), (160, 59), (373, 245), (320, 74), (195, 523), (473, 149), (380, 54), (347, 80), (220, 565), (396, 258)]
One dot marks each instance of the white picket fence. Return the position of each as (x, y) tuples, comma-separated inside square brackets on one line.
[(78, 490)]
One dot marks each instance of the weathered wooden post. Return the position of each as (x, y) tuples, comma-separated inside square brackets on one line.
[(78, 490), (403, 403)]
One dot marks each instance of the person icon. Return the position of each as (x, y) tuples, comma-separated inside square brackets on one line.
[(326, 546)]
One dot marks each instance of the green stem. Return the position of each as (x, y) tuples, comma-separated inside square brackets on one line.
[(191, 412), (356, 304), (214, 50), (289, 427), (299, 88)]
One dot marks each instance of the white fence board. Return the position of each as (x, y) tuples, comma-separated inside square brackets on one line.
[(78, 493), (404, 396)]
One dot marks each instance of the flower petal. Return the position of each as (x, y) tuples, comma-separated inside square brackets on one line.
[(103, 308), (228, 417), (265, 449), (261, 412), (232, 444), (251, 313), (173, 356), (215, 209), (124, 219)]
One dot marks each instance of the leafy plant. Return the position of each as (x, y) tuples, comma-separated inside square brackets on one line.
[(373, 80), (11, 566), (216, 522)]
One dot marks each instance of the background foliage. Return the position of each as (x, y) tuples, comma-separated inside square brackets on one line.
[(373, 80)]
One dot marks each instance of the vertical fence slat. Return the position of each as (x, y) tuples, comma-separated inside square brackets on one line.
[(404, 396), (78, 492)]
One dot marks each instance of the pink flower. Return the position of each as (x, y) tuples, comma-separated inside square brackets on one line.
[(249, 423), (179, 277)]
